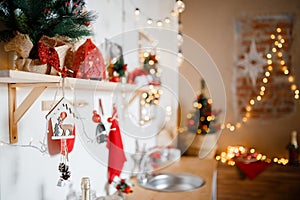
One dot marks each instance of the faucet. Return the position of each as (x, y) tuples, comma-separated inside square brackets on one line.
[(148, 164), (145, 168)]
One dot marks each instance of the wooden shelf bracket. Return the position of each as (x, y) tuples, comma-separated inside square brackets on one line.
[(17, 112)]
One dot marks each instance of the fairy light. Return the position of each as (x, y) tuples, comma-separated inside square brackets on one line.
[(42, 147), (137, 12), (159, 23), (241, 153), (278, 45), (167, 20), (149, 21), (258, 98), (291, 79), (178, 8)]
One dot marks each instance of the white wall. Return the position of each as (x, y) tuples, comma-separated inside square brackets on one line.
[(25, 173)]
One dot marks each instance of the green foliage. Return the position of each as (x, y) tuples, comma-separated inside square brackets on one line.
[(119, 66), (44, 17)]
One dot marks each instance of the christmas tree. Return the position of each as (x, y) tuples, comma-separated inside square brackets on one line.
[(36, 18), (200, 118)]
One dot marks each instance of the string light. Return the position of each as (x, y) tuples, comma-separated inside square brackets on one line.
[(137, 11), (180, 6), (241, 153), (178, 9), (42, 148), (159, 23), (278, 45)]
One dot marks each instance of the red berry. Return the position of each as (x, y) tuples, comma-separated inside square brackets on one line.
[(127, 189), (115, 79)]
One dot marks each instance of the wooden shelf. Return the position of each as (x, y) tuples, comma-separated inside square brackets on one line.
[(39, 82), (28, 78)]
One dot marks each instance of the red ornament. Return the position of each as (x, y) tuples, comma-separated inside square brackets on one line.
[(153, 58), (115, 79), (87, 23), (96, 117), (110, 119), (127, 189), (122, 181), (125, 67), (63, 115), (88, 62), (47, 10)]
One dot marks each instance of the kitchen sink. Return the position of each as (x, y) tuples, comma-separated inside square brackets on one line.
[(171, 182)]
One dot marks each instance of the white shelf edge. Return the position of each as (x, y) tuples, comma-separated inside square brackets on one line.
[(14, 76)]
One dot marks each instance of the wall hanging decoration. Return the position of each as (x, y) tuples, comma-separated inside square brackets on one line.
[(263, 70), (61, 135), (88, 62), (100, 135), (114, 144)]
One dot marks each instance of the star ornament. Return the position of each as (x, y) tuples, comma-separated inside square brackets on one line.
[(253, 62)]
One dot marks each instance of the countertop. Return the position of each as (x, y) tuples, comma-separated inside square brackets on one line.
[(204, 168)]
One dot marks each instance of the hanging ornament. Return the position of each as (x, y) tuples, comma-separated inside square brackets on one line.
[(116, 157), (61, 117), (101, 135)]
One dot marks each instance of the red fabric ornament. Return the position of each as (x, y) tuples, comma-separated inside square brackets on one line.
[(116, 156), (48, 55), (88, 62)]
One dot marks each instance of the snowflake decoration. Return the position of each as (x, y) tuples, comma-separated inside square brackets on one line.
[(253, 62)]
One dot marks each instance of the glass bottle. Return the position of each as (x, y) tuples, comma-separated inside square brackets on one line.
[(85, 188), (293, 149)]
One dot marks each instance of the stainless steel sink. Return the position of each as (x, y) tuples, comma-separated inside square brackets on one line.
[(171, 182)]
